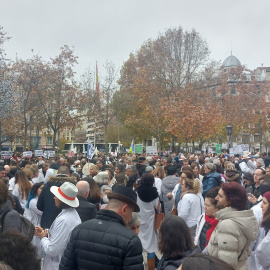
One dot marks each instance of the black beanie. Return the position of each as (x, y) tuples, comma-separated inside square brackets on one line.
[(248, 176)]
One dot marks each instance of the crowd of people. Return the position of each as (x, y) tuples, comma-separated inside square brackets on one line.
[(102, 213)]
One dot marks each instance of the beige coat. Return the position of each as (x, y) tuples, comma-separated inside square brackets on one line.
[(230, 241)]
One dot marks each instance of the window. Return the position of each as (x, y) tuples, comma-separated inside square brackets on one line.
[(232, 91), (18, 140), (49, 140)]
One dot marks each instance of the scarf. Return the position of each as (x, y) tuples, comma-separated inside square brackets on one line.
[(212, 223), (147, 193), (177, 195)]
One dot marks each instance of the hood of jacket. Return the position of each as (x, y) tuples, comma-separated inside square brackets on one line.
[(170, 181), (245, 220), (5, 207), (215, 175), (147, 193), (232, 175), (61, 179)]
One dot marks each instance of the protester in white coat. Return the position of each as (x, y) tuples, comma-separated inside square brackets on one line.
[(35, 214), (148, 201), (262, 253), (190, 206), (55, 240)]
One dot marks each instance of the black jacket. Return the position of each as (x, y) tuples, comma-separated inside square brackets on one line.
[(86, 210), (267, 161), (46, 200), (103, 243), (9, 218), (131, 180)]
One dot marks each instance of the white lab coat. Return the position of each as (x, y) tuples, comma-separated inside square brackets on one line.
[(190, 208), (35, 217), (262, 254), (147, 234), (58, 237)]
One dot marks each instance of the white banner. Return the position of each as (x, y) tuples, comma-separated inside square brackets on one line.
[(151, 150), (224, 146), (38, 153), (239, 149), (6, 154), (51, 154), (27, 154)]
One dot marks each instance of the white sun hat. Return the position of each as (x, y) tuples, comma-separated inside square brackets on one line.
[(86, 168), (66, 193)]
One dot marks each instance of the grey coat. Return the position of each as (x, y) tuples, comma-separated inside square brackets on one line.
[(12, 219), (168, 184)]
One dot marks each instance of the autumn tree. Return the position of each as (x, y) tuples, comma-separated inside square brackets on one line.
[(30, 79), (154, 75), (59, 98), (191, 116)]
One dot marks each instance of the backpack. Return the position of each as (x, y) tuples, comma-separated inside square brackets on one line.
[(27, 227)]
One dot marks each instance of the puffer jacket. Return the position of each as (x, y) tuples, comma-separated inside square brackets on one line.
[(231, 239), (168, 184), (103, 243), (46, 202), (9, 218), (210, 180), (86, 210)]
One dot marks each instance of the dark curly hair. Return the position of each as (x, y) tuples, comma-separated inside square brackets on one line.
[(174, 237), (236, 195), (17, 251), (148, 179), (212, 194)]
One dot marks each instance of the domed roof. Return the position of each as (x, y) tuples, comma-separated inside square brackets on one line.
[(231, 61)]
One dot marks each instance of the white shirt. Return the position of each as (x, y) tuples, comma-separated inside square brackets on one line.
[(157, 184), (11, 183), (58, 237), (50, 172), (190, 207)]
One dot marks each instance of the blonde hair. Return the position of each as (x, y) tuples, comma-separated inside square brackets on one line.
[(159, 172), (230, 166), (193, 185)]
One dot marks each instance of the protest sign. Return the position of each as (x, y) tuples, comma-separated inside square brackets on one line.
[(38, 153), (151, 150), (6, 154), (138, 148), (27, 154)]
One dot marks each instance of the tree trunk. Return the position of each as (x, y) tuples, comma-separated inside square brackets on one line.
[(0, 136), (106, 138), (25, 137), (54, 138)]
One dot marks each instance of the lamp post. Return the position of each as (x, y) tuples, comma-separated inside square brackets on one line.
[(229, 133)]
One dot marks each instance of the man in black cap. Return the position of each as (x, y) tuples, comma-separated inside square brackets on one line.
[(140, 166), (104, 242)]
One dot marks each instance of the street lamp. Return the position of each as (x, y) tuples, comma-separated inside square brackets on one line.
[(229, 133)]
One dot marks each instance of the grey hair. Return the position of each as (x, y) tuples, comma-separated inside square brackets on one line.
[(83, 187), (210, 166), (149, 159), (131, 167), (104, 187), (135, 220), (260, 160), (149, 169), (216, 161)]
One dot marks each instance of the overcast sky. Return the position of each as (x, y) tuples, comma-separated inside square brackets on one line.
[(111, 29)]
